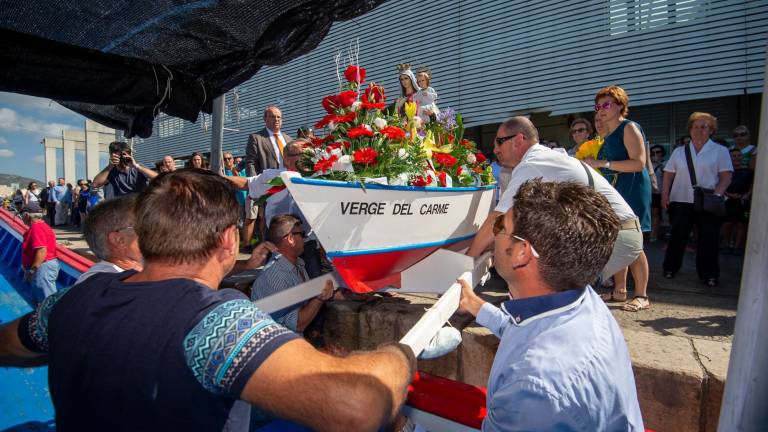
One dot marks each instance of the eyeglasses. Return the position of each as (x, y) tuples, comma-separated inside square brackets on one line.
[(604, 105), (125, 228), (498, 228), (501, 140), (740, 134), (301, 234), (579, 130)]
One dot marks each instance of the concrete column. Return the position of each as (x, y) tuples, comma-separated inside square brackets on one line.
[(92, 138), (69, 161), (50, 162)]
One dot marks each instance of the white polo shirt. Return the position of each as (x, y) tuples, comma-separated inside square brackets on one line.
[(551, 165), (708, 163)]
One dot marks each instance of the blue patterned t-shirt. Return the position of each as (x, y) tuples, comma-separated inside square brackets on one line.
[(159, 356)]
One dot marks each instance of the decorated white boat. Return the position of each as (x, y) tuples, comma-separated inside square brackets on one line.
[(373, 233)]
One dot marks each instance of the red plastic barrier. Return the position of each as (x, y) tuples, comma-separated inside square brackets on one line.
[(74, 260)]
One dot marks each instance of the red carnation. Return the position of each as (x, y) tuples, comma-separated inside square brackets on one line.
[(441, 177), (275, 189), (359, 131), (355, 74), (480, 157), (445, 159), (418, 181), (345, 99), (346, 118), (324, 165), (330, 103), (365, 156), (325, 121), (393, 132)]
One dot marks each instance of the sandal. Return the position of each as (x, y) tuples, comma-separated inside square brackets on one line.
[(614, 296), (637, 304)]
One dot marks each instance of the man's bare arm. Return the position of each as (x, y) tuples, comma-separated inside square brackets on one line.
[(13, 353), (360, 392), (484, 237), (238, 182)]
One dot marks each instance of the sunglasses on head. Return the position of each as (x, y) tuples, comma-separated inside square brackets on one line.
[(604, 105)]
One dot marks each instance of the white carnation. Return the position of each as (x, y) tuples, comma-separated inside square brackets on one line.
[(471, 159), (380, 122), (356, 105)]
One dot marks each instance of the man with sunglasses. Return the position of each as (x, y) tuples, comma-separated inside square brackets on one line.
[(286, 270), (741, 142), (517, 146), (562, 363)]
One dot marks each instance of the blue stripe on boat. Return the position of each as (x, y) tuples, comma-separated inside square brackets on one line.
[(342, 184), (357, 252)]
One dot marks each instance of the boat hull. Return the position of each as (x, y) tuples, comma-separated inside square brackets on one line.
[(372, 234)]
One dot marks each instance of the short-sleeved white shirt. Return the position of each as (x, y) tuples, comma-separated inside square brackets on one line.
[(708, 163), (551, 165)]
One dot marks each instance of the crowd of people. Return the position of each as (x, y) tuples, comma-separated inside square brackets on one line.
[(160, 332)]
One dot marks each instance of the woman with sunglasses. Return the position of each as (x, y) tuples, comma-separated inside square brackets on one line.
[(623, 161), (581, 130), (32, 199)]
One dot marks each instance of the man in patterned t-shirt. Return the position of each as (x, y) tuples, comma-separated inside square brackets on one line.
[(163, 349)]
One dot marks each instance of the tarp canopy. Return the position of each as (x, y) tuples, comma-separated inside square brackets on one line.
[(122, 62)]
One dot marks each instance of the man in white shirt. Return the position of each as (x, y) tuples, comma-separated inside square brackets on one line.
[(108, 230), (516, 145)]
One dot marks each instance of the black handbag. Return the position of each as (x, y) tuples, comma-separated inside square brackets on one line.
[(704, 200)]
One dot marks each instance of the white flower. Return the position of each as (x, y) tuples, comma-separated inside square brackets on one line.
[(368, 127), (332, 125), (402, 154), (355, 105), (343, 164), (336, 151), (380, 122), (417, 122), (471, 159)]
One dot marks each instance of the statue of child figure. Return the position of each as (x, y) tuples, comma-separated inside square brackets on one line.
[(426, 96)]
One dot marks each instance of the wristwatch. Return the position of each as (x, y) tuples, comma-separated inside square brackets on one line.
[(607, 164)]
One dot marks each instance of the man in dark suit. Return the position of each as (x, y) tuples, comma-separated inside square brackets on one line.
[(264, 150)]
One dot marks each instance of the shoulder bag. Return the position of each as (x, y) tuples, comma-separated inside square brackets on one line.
[(704, 200)]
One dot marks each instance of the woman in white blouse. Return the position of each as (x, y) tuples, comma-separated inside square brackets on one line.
[(713, 169)]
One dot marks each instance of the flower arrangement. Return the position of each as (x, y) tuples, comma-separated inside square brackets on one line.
[(366, 143), (589, 149)]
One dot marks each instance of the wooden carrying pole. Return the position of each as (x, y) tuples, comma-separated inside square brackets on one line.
[(746, 389), (218, 133)]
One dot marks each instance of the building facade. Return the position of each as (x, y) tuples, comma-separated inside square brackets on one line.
[(492, 59)]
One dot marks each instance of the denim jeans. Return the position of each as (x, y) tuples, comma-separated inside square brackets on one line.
[(44, 281)]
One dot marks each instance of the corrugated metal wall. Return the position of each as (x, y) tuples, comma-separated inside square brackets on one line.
[(494, 58)]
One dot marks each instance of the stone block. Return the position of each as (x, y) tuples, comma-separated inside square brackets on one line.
[(669, 381), (341, 326), (714, 357), (478, 348), (379, 321)]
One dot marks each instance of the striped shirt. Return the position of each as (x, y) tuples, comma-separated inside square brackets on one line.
[(279, 274)]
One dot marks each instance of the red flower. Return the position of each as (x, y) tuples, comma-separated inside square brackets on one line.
[(365, 156), (359, 131), (330, 103), (441, 178), (393, 132), (346, 118), (355, 74), (275, 189), (480, 157), (451, 138), (445, 159), (467, 143), (346, 144), (319, 142), (458, 171), (373, 98), (345, 99), (324, 165), (325, 121), (418, 181)]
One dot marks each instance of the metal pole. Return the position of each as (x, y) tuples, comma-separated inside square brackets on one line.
[(746, 389), (218, 133)]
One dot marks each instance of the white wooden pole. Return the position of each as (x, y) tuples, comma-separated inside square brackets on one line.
[(218, 133), (746, 389)]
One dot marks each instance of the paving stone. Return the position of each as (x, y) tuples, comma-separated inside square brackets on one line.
[(669, 381), (714, 357)]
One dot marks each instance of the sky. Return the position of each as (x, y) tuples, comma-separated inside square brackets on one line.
[(24, 122)]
